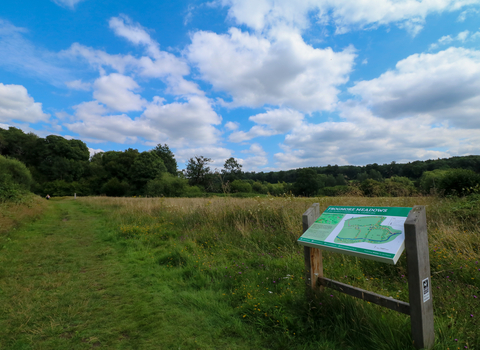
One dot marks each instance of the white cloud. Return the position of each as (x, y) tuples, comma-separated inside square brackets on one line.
[(258, 158), (273, 122), (78, 85), (282, 72), (232, 125), (94, 151), (364, 138), (156, 64), (444, 86), (16, 104), (180, 124), (463, 15), (427, 107), (184, 123), (116, 91), (462, 36), (218, 155), (93, 121), (344, 14), (67, 3)]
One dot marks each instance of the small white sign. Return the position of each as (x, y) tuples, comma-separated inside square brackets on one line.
[(426, 289)]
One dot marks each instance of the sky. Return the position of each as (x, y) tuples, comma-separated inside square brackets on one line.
[(276, 84)]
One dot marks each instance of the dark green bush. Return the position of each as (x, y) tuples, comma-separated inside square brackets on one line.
[(166, 185), (373, 188), (332, 191), (115, 188), (240, 186), (458, 181), (15, 180)]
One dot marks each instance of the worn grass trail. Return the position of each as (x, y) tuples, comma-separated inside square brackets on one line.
[(65, 283)]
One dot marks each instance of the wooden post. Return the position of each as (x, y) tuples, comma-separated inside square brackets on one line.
[(419, 279), (313, 256), (74, 196)]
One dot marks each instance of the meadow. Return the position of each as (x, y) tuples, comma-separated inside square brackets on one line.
[(227, 273)]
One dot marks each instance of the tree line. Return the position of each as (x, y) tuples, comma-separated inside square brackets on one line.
[(59, 166)]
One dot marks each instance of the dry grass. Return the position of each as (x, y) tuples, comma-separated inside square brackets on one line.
[(446, 230), (12, 215)]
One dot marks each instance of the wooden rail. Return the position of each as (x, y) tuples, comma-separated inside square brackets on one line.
[(359, 293)]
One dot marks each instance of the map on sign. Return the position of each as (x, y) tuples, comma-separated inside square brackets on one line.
[(371, 232), (366, 229)]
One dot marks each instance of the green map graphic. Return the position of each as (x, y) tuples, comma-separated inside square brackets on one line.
[(366, 229), (330, 219)]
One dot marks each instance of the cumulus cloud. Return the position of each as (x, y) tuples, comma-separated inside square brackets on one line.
[(17, 105), (184, 123), (273, 122), (94, 151), (218, 155), (190, 123), (362, 138), (116, 91), (427, 107), (256, 158), (155, 64), (444, 86), (284, 71), (93, 120), (345, 15), (232, 125)]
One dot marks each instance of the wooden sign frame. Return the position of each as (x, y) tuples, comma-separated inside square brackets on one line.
[(420, 306)]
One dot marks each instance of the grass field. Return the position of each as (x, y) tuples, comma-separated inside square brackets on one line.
[(220, 273)]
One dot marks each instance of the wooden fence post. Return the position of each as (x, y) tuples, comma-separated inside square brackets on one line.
[(419, 279), (313, 256)]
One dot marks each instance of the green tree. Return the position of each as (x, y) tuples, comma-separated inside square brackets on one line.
[(197, 170), (307, 183), (232, 170), (147, 166), (168, 158), (115, 188)]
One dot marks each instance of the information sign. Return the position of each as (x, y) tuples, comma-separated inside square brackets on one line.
[(375, 233)]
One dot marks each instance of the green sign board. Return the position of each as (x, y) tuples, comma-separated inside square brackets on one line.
[(375, 233)]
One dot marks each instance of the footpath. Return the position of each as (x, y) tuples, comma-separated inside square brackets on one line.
[(63, 284)]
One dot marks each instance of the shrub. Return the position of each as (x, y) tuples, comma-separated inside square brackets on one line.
[(115, 188), (14, 171), (15, 180), (259, 188), (335, 190), (449, 182), (373, 188), (398, 186), (166, 185), (193, 191), (458, 181), (240, 186), (430, 181)]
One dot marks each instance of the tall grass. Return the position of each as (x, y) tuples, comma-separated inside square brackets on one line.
[(14, 214), (245, 251)]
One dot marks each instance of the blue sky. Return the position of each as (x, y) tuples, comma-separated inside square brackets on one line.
[(277, 84)]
